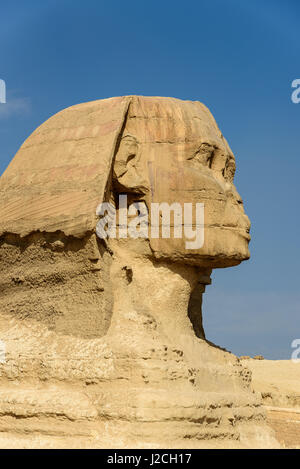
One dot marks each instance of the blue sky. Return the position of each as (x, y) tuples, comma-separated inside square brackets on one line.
[(238, 57)]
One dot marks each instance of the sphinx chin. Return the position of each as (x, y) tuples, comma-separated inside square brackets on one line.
[(222, 248)]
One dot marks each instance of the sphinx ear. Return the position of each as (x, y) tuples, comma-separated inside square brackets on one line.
[(127, 152), (127, 173)]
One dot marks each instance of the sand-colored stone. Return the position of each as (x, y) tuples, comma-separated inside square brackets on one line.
[(105, 344), (278, 382)]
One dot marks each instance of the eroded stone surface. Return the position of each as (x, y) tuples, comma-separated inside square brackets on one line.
[(105, 345), (278, 382)]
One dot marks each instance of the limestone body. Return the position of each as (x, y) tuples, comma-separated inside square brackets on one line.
[(105, 345)]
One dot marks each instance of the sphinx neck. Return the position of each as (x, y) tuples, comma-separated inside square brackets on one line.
[(157, 296)]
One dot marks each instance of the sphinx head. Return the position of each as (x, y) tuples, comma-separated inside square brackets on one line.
[(172, 157), (156, 151)]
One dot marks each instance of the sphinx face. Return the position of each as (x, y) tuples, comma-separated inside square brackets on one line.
[(172, 152)]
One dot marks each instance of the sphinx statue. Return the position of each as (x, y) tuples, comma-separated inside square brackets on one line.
[(104, 339)]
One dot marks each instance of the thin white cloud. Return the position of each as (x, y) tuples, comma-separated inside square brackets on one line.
[(15, 107)]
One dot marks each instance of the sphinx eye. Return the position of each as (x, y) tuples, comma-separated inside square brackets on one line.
[(204, 155)]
